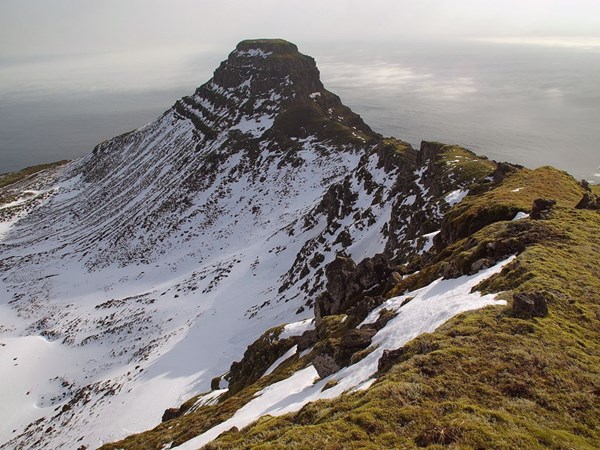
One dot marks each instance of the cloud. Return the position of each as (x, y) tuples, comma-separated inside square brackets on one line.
[(381, 75)]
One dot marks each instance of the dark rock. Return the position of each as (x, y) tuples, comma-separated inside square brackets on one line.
[(389, 358), (355, 340), (215, 383), (541, 208), (325, 365), (529, 305), (170, 414), (307, 340), (482, 263), (503, 169), (589, 201), (346, 280), (384, 317), (257, 358), (340, 283)]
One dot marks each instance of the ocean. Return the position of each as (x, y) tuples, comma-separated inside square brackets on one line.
[(525, 103)]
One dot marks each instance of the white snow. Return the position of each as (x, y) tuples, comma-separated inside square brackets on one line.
[(429, 242), (516, 190), (161, 305), (275, 400), (255, 126), (314, 95), (455, 197), (409, 201), (253, 52), (297, 328), (521, 215), (291, 352), (429, 308)]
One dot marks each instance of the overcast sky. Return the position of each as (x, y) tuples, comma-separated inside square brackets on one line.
[(51, 27), (57, 47)]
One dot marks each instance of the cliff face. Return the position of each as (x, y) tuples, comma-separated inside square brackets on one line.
[(167, 261)]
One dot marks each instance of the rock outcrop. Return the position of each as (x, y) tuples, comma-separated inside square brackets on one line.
[(349, 284)]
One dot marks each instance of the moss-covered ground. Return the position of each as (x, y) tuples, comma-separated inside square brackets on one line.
[(12, 177)]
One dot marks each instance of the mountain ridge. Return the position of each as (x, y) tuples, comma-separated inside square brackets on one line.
[(226, 217)]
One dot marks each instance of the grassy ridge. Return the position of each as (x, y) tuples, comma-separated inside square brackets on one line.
[(10, 178)]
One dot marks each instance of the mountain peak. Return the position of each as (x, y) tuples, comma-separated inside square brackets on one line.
[(267, 84), (273, 62)]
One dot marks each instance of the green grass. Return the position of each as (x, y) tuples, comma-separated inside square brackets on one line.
[(10, 178), (462, 165)]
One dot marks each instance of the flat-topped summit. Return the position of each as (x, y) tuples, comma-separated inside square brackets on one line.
[(274, 46), (276, 62)]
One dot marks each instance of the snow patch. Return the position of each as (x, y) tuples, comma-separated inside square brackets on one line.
[(297, 328), (455, 197), (253, 52), (291, 352), (520, 215), (429, 308), (275, 400), (255, 126), (429, 241)]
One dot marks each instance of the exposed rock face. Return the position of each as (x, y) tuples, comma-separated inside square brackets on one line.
[(170, 414), (346, 279), (325, 365), (529, 305), (338, 352)]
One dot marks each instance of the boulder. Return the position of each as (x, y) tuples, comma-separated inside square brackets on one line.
[(307, 340), (527, 305), (355, 340), (541, 208), (325, 365), (346, 280), (589, 201), (170, 414), (389, 358)]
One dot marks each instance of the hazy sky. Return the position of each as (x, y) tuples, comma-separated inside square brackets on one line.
[(51, 27), (73, 72)]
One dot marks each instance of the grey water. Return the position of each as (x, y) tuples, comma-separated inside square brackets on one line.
[(528, 104)]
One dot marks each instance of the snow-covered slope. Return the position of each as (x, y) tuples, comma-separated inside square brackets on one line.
[(150, 265)]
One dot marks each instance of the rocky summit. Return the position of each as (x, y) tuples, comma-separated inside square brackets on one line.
[(257, 268)]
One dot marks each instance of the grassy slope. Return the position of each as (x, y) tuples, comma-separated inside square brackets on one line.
[(7, 180), (483, 380), (12, 177)]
